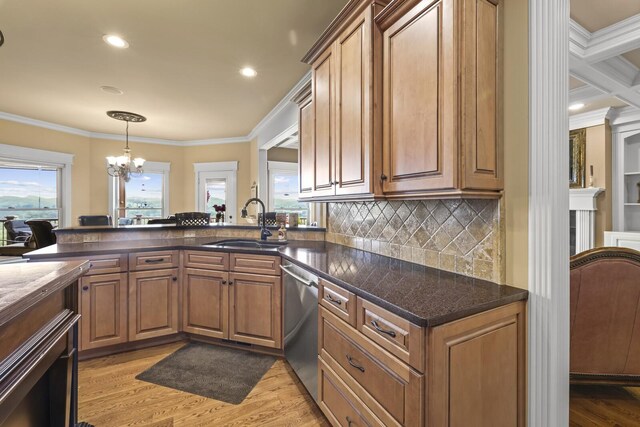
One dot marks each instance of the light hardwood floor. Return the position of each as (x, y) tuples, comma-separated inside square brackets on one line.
[(109, 395), (604, 406)]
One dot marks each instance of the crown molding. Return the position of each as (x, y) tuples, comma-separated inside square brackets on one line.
[(589, 119), (145, 140)]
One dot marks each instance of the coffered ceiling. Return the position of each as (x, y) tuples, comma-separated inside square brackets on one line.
[(604, 54), (181, 69)]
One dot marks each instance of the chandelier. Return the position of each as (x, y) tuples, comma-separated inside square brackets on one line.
[(123, 166)]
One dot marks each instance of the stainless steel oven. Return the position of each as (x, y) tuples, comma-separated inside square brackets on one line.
[(301, 324)]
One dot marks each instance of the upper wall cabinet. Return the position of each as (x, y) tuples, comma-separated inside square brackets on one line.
[(405, 103), (339, 133)]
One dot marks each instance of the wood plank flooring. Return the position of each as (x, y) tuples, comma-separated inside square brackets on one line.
[(604, 406), (110, 396)]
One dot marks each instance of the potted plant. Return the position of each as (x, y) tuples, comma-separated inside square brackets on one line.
[(220, 210)]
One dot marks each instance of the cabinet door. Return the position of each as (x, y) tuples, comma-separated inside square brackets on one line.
[(205, 299), (323, 112), (305, 152), (255, 303), (419, 144), (480, 108), (153, 303), (353, 137), (103, 307)]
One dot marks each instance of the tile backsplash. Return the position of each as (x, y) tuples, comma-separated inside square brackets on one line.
[(456, 235)]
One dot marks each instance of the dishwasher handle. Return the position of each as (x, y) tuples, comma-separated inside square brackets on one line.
[(298, 278)]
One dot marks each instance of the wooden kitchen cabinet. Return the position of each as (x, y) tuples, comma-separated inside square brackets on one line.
[(205, 302), (405, 102), (338, 120), (103, 305), (305, 141), (255, 309), (153, 303), (441, 98)]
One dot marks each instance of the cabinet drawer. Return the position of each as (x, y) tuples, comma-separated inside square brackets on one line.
[(339, 404), (339, 301), (397, 335), (390, 388), (153, 260), (101, 264), (255, 264), (206, 260)]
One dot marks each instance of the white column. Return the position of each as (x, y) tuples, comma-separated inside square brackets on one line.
[(548, 398), (585, 230)]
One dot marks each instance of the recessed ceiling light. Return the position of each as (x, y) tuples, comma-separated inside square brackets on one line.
[(248, 72), (115, 41), (112, 90), (577, 106)]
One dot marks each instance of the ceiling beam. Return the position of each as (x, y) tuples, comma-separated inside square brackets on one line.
[(608, 74), (613, 40)]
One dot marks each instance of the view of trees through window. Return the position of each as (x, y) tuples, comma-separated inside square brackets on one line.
[(143, 196), (29, 192)]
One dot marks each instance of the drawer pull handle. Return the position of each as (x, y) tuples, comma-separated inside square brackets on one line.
[(382, 331), (153, 260), (333, 300), (349, 421), (354, 364)]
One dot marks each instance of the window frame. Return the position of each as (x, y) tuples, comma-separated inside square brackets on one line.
[(224, 170), (163, 168), (61, 161)]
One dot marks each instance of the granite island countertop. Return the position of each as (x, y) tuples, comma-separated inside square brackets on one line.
[(423, 295), (23, 285)]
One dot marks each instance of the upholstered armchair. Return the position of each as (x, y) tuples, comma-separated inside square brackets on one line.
[(605, 316)]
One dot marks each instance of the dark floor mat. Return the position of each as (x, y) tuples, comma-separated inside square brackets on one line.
[(219, 373)]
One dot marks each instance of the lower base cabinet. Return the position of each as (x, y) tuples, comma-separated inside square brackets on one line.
[(153, 303), (467, 372), (205, 302), (255, 307), (103, 304)]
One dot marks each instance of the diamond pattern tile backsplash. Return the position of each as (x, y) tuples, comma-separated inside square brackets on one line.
[(462, 236)]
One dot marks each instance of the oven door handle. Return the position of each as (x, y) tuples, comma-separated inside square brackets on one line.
[(295, 276)]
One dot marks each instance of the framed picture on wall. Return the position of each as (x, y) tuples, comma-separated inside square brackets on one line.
[(577, 157)]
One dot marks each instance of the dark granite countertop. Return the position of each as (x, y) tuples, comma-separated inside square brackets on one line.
[(161, 227), (24, 284), (425, 296)]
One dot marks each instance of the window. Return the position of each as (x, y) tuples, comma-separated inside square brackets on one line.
[(216, 185), (35, 184), (283, 190), (29, 191), (145, 196)]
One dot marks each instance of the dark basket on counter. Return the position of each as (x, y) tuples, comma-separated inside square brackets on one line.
[(193, 218)]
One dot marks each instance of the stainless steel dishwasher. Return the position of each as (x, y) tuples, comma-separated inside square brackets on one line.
[(301, 324)]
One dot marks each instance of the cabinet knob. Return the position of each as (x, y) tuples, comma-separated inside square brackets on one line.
[(383, 177), (224, 282), (85, 288), (230, 282), (175, 279)]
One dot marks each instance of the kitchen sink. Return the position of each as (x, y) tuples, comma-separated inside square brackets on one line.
[(248, 244)]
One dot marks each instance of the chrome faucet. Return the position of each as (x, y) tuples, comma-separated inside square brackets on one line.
[(264, 233)]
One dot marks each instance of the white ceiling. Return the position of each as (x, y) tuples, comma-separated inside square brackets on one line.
[(604, 54), (180, 71)]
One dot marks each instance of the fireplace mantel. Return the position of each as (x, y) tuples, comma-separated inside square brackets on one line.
[(583, 201)]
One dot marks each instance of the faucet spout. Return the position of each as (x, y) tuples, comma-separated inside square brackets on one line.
[(264, 233)]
